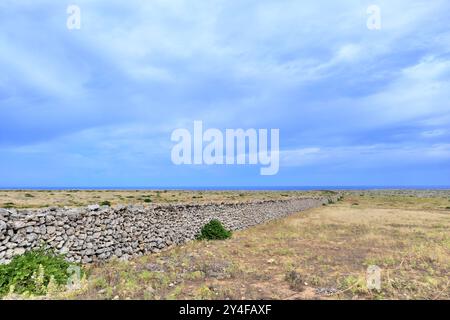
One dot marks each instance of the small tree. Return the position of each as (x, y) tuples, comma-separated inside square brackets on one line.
[(214, 230)]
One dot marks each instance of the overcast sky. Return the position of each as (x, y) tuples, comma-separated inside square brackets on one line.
[(96, 107)]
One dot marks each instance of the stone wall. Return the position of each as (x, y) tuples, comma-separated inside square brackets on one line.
[(96, 233)]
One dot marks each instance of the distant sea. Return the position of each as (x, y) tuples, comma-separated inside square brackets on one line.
[(231, 188)]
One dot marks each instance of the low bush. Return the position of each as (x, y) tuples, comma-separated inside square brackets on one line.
[(295, 281), (105, 203), (8, 205), (32, 272), (214, 230)]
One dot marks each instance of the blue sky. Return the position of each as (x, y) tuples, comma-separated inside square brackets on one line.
[(96, 106)]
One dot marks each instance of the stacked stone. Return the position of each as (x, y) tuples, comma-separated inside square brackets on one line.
[(96, 233)]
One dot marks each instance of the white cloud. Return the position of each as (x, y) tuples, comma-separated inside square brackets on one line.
[(366, 155), (434, 133)]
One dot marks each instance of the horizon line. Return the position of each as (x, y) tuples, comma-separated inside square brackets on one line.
[(231, 188)]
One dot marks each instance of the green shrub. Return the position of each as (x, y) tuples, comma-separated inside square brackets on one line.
[(32, 272), (105, 203), (213, 230), (148, 200)]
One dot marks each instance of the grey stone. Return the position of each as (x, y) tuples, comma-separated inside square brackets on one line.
[(31, 237), (64, 250), (9, 253), (16, 225), (86, 259), (93, 207), (18, 251), (4, 213), (51, 230), (11, 245), (118, 252), (2, 227), (60, 244)]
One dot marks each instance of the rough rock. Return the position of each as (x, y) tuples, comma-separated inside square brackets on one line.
[(92, 233)]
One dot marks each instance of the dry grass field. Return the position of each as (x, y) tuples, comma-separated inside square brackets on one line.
[(321, 253), (75, 198)]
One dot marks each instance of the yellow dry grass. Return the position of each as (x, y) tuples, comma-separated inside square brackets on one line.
[(75, 198), (317, 254)]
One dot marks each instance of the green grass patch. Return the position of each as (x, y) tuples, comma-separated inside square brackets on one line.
[(9, 205)]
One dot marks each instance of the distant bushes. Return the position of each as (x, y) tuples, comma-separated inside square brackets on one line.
[(9, 205), (32, 272), (105, 203), (213, 230)]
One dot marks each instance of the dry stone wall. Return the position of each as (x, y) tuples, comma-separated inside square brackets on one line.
[(94, 233)]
